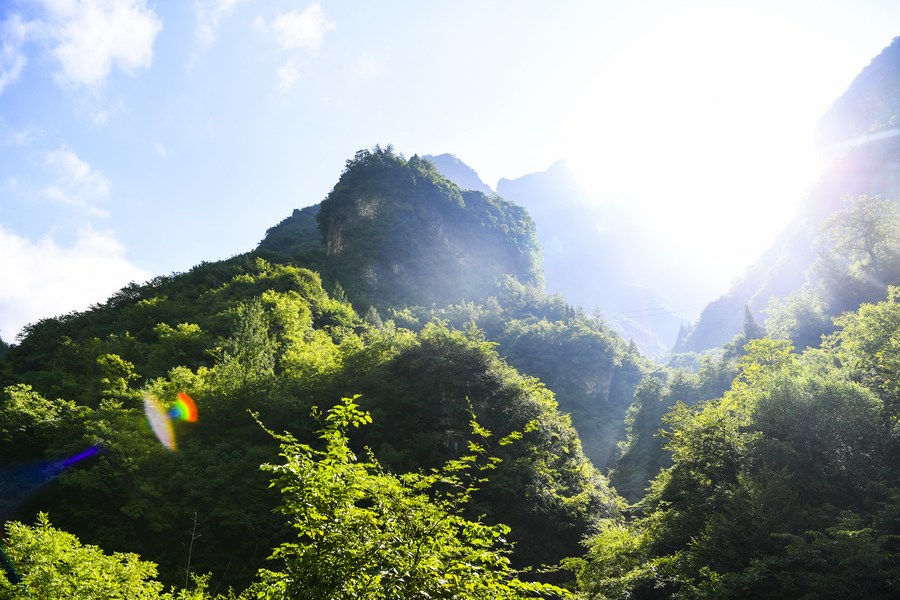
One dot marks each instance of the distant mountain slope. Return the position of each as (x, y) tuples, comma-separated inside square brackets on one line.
[(458, 172), (594, 256), (860, 135)]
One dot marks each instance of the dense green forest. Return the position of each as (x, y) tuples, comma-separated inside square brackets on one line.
[(446, 436)]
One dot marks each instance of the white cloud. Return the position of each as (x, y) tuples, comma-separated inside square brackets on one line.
[(76, 183), (91, 37), (160, 150), (210, 14), (43, 279), (12, 60), (288, 75), (304, 29), (17, 137)]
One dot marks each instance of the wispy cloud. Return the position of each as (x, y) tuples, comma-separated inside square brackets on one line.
[(17, 137), (210, 14), (293, 31), (304, 29), (91, 37), (76, 183), (288, 75), (12, 58), (32, 275), (160, 150)]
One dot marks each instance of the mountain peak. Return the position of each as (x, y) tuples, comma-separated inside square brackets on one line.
[(396, 232), (871, 102)]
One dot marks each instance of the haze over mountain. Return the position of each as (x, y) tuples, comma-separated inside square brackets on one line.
[(459, 172), (860, 137), (596, 256), (400, 242), (593, 254)]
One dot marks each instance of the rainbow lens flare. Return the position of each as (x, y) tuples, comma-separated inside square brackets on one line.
[(184, 409), (159, 422)]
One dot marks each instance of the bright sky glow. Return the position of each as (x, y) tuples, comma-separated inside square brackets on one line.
[(141, 138)]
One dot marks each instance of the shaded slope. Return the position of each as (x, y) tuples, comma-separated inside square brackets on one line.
[(245, 334)]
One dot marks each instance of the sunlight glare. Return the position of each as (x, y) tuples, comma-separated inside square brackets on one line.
[(710, 141)]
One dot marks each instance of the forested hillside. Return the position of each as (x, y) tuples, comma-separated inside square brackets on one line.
[(380, 401), (250, 334), (785, 486), (402, 243)]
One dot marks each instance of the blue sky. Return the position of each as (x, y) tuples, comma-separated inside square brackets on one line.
[(140, 138)]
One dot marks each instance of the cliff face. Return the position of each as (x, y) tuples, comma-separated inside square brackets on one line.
[(394, 232), (861, 138)]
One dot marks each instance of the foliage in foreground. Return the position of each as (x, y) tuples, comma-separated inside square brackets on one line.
[(361, 533), (365, 533), (45, 562)]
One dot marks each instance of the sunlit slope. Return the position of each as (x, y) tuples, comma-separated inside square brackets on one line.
[(861, 139)]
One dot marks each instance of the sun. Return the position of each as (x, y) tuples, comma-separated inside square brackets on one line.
[(703, 132)]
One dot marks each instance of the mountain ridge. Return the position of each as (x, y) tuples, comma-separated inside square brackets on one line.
[(862, 143)]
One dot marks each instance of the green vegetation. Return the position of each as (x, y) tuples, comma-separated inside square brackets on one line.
[(54, 564), (363, 532), (858, 259), (248, 334), (786, 487), (449, 444), (394, 232)]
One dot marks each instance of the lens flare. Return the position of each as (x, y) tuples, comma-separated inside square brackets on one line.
[(159, 422), (184, 409), (21, 482), (80, 456)]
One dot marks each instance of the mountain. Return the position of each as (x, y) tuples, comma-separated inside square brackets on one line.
[(465, 336), (437, 444), (394, 232), (594, 256), (400, 240), (459, 173), (860, 138)]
